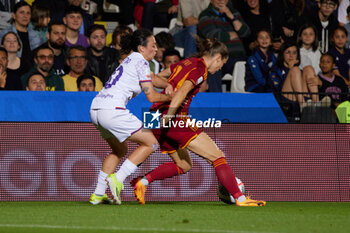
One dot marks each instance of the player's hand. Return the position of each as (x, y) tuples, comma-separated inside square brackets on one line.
[(169, 90)]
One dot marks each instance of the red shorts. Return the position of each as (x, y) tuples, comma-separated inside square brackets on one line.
[(176, 136)]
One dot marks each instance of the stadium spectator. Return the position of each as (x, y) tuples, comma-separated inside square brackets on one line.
[(118, 33), (15, 67), (164, 41), (43, 59), (29, 39), (86, 82), (77, 61), (36, 82), (115, 122), (102, 60), (58, 14), (287, 77), (331, 83), (325, 22), (287, 16), (347, 26), (73, 19), (309, 51), (56, 36), (259, 65), (256, 14), (187, 76), (158, 13), (170, 56), (224, 23), (125, 10), (340, 53), (186, 25), (40, 20), (343, 12)]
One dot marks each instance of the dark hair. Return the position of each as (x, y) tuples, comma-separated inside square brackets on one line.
[(19, 5), (91, 29), (83, 77), (171, 52), (244, 8), (3, 38), (348, 10), (131, 42), (210, 47), (38, 15), (73, 9), (335, 1), (4, 50), (341, 28), (36, 51), (53, 23), (77, 47), (284, 47), (120, 30), (327, 54), (35, 73), (165, 40), (302, 28)]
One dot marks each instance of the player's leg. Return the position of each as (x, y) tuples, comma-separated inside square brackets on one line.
[(204, 146), (181, 164), (147, 145)]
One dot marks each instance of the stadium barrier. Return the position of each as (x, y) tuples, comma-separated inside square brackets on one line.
[(41, 159)]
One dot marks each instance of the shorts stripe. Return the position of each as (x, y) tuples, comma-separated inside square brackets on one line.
[(137, 130), (189, 140), (120, 108)]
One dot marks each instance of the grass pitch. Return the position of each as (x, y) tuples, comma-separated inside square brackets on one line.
[(183, 217)]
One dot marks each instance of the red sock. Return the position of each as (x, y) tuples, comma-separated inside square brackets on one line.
[(163, 171), (226, 177)]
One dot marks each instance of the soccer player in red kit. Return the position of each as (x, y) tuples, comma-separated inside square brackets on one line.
[(187, 77)]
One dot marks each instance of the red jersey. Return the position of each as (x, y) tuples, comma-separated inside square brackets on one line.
[(191, 69)]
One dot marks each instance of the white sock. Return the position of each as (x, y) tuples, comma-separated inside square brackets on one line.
[(125, 170), (144, 181), (101, 184), (241, 198)]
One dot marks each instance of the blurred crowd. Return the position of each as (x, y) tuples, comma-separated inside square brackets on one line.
[(288, 46)]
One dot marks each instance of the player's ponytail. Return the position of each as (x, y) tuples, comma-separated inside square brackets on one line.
[(210, 47), (131, 42)]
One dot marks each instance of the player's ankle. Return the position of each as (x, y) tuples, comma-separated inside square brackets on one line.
[(144, 181), (241, 198)]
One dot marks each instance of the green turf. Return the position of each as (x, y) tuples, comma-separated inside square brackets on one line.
[(46, 217)]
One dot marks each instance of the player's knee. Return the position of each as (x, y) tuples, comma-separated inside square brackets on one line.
[(155, 147), (216, 156), (185, 166)]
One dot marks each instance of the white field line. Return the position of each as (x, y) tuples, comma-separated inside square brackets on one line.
[(114, 228)]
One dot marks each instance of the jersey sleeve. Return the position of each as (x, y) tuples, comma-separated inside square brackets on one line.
[(196, 74), (143, 71)]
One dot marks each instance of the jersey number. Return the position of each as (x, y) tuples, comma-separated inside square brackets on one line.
[(114, 77)]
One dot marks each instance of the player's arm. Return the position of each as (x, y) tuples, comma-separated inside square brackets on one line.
[(161, 82), (178, 99), (152, 95)]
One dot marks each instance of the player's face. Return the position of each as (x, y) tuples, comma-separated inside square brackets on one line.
[(98, 40), (217, 64), (73, 21), (169, 60), (77, 61), (150, 50), (57, 35), (339, 39), (87, 85), (326, 64), (36, 83), (308, 36), (22, 16), (11, 43), (264, 39), (44, 59)]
